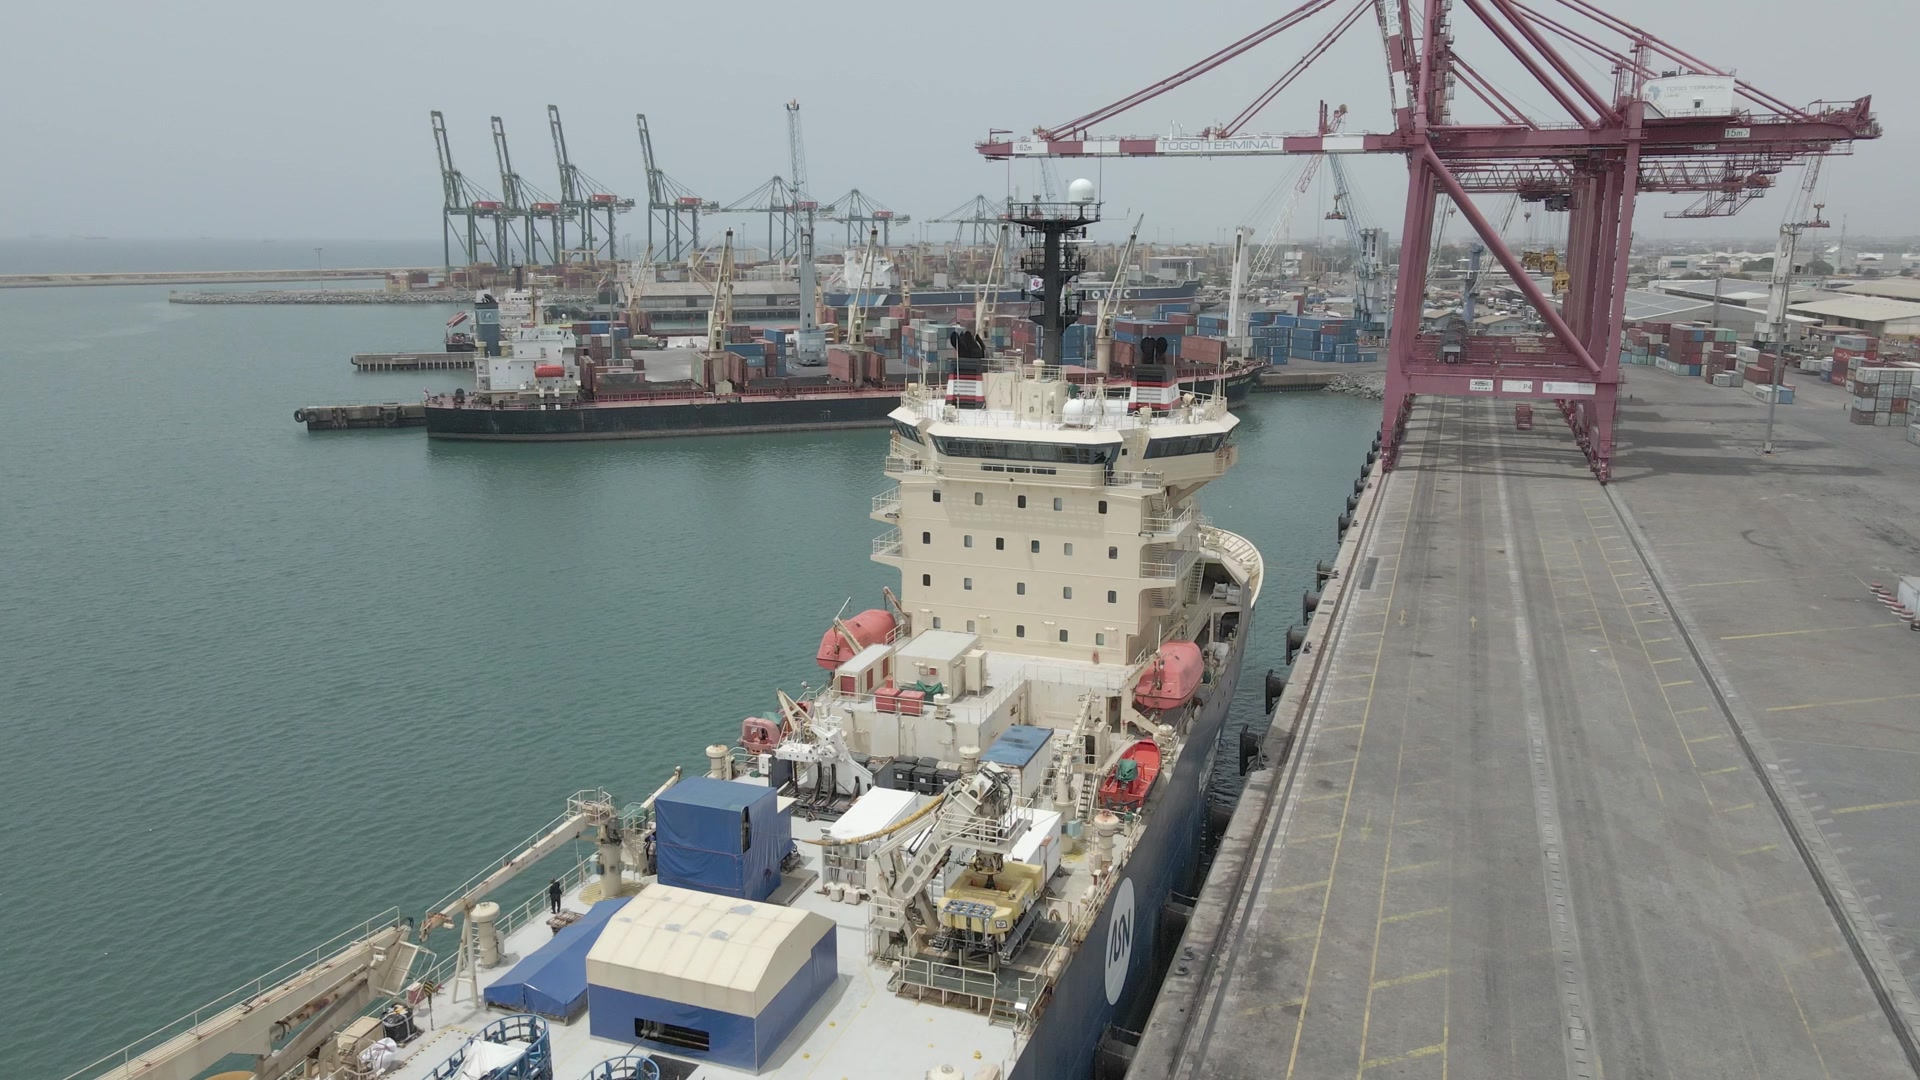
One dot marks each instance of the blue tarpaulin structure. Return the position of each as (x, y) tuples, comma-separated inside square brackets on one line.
[(721, 836), (552, 980)]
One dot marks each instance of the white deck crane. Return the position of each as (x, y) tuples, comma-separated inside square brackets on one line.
[(809, 342), (1108, 308), (856, 288), (720, 316), (989, 294), (1238, 338)]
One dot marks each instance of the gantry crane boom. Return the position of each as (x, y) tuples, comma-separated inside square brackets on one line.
[(670, 205), (810, 342), (457, 201)]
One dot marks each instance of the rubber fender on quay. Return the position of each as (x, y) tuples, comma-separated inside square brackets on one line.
[(1276, 685), (1353, 503), (299, 416), (1322, 573), (1344, 521), (1309, 603), (1296, 637), (1359, 485)]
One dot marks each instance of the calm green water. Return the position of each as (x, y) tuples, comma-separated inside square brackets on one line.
[(256, 685)]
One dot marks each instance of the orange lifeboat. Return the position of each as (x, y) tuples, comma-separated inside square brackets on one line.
[(1132, 777), (760, 735), (1171, 678), (548, 371), (874, 627)]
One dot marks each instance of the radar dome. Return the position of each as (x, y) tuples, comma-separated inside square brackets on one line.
[(1080, 191)]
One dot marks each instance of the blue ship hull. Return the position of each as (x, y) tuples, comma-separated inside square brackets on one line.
[(1120, 949)]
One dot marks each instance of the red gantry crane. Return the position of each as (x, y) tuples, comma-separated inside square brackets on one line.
[(1670, 122)]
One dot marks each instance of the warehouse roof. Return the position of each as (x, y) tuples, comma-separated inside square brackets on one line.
[(1863, 308), (1894, 288)]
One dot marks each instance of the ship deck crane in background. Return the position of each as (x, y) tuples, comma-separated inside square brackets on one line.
[(670, 205), (857, 288), (988, 295), (584, 198), (809, 340), (1238, 337), (720, 315), (1108, 308)]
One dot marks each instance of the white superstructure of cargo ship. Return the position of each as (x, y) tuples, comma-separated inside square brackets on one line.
[(952, 859)]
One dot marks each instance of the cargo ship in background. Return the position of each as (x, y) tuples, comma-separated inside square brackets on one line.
[(959, 857)]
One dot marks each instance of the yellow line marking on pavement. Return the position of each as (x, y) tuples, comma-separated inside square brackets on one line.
[(1322, 836), (1411, 915), (1895, 805), (1342, 761), (1845, 1020), (1325, 797), (1706, 738), (1345, 701), (1695, 709), (1742, 581), (1718, 772), (1735, 809), (1655, 640), (1340, 727), (1677, 682), (1822, 630), (1418, 976), (1414, 866), (1756, 850), (1805, 1024), (1670, 660), (1411, 1055), (1817, 954), (1299, 888), (1844, 701)]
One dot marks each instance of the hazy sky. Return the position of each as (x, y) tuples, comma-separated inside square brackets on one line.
[(280, 120)]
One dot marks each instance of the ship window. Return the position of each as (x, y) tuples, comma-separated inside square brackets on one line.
[(1066, 549), (999, 543), (1103, 506), (1020, 588), (907, 431), (1059, 504), (1023, 502), (936, 622), (979, 499), (1066, 592), (1186, 444), (1063, 635), (926, 579), (1033, 546), (1004, 450), (1099, 639), (1113, 553), (926, 538), (685, 1038), (967, 540), (1020, 630), (936, 496), (969, 626), (1112, 597), (966, 583)]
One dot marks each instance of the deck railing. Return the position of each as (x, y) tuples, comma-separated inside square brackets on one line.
[(887, 544)]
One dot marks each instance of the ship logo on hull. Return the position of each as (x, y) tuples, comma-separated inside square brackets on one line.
[(1120, 940)]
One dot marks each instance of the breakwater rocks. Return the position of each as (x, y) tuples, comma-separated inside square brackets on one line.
[(1360, 386), (352, 296)]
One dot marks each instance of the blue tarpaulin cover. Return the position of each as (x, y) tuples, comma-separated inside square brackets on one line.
[(700, 841), (552, 980), (1017, 745)]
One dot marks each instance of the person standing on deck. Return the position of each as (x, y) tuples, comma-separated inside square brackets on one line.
[(553, 896)]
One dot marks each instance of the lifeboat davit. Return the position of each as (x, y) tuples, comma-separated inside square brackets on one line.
[(874, 627), (1171, 677), (1132, 777), (760, 735)]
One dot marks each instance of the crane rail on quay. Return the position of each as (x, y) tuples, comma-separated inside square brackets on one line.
[(1522, 811)]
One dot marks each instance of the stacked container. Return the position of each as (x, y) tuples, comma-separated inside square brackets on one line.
[(1881, 396)]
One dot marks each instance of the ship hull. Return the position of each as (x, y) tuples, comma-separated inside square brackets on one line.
[(652, 421), (1167, 859)]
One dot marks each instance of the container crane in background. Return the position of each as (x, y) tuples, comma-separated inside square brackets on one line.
[(527, 205), (1363, 246), (1109, 307), (584, 199), (979, 213), (1670, 122), (1802, 214), (809, 340), (860, 213), (462, 201), (670, 205)]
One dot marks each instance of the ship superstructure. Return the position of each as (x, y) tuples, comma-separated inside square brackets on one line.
[(949, 859)]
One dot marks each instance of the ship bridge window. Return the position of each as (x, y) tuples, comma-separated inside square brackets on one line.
[(1186, 444), (1009, 450), (906, 431)]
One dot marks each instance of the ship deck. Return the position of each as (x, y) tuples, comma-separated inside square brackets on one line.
[(1536, 824), (861, 1030)]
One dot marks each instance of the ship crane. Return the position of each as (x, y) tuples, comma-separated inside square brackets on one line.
[(1108, 309), (281, 1023), (720, 315), (809, 340), (974, 818), (1669, 123), (988, 295), (670, 205), (857, 288)]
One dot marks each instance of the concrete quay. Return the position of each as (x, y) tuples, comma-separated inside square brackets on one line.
[(1585, 780), (195, 277)]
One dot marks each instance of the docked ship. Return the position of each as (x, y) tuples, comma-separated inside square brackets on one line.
[(955, 858)]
